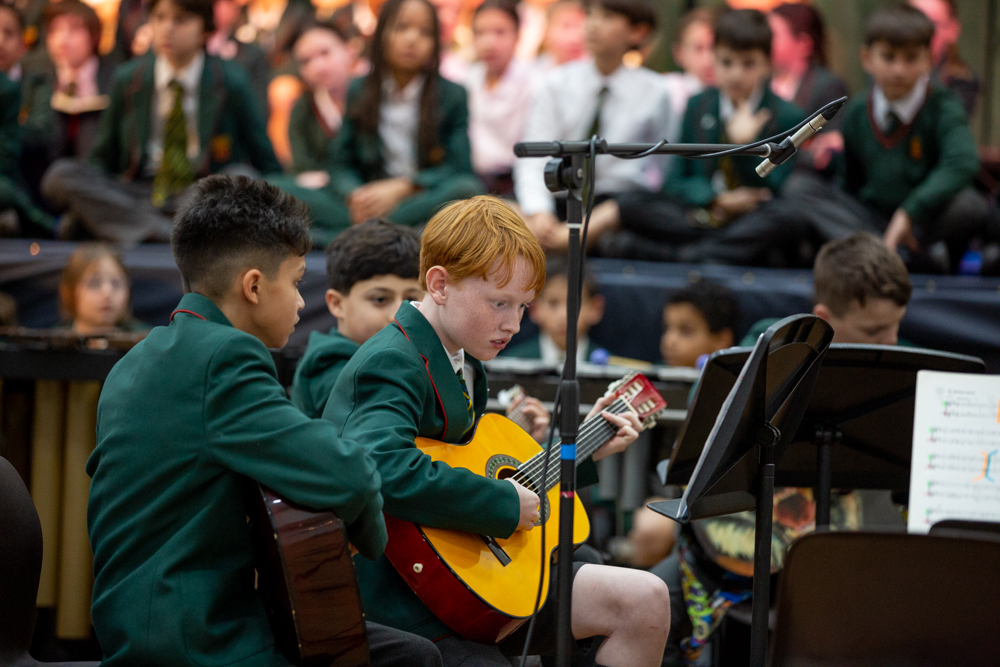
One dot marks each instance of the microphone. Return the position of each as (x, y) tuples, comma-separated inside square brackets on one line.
[(790, 145)]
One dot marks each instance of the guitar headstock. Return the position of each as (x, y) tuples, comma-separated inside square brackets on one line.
[(640, 393)]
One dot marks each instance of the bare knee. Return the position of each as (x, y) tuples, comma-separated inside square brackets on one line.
[(651, 604)]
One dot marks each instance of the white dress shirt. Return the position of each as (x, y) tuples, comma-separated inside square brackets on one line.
[(497, 115), (637, 108), (163, 101), (906, 108), (551, 354), (397, 126), (84, 78), (681, 87), (458, 364)]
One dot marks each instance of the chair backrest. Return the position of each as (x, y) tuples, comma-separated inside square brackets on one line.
[(20, 564), (888, 599), (978, 530)]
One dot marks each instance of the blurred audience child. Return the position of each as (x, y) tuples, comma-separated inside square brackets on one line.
[(371, 268), (175, 115), (499, 89), (18, 215), (548, 312), (692, 52), (860, 287), (324, 61), (403, 150), (602, 97), (949, 67), (565, 37), (909, 156), (223, 43), (62, 105), (798, 56), (698, 321), (720, 209), (94, 292)]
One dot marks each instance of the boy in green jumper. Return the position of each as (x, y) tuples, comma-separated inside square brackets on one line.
[(190, 413), (719, 210), (423, 376), (909, 157), (372, 269), (175, 115)]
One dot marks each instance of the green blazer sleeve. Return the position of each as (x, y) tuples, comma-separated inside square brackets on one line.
[(107, 148), (686, 180), (344, 158), (957, 166), (38, 119), (253, 429), (453, 137), (10, 130), (385, 401)]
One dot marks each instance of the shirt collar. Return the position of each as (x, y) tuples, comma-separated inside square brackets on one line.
[(409, 93), (726, 107), (86, 73), (189, 76), (550, 353), (905, 108), (15, 73)]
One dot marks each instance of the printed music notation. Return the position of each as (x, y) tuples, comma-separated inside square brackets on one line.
[(955, 469)]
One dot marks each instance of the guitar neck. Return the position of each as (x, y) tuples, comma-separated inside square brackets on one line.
[(593, 433)]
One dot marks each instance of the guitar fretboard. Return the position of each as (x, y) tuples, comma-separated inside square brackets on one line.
[(593, 433)]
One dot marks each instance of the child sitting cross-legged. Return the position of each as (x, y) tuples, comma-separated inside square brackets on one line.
[(423, 376)]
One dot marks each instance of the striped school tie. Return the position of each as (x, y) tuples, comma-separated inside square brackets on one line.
[(175, 172), (468, 400)]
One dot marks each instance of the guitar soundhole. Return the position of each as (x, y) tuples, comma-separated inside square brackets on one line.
[(501, 466)]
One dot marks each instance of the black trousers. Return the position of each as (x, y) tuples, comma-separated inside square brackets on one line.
[(658, 228), (394, 648), (831, 214)]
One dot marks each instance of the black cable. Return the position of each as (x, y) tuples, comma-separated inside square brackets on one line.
[(542, 494)]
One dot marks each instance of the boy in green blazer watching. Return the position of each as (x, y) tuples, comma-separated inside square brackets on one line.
[(372, 269), (909, 156), (423, 377), (175, 115), (717, 210), (190, 413)]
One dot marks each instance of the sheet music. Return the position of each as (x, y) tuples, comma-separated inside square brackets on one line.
[(955, 470)]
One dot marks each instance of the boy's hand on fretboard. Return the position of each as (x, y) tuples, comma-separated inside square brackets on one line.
[(628, 428)]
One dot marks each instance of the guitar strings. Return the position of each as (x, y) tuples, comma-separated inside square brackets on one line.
[(528, 471), (590, 428)]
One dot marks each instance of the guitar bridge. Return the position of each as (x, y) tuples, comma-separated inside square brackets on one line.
[(496, 549)]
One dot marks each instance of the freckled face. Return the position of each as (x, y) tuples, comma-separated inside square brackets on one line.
[(481, 317)]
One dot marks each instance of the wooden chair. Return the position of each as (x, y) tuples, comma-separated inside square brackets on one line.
[(888, 599), (20, 568)]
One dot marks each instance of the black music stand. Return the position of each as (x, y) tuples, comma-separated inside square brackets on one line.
[(857, 432), (735, 469)]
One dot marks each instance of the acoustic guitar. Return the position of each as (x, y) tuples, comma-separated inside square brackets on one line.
[(483, 587), (306, 579)]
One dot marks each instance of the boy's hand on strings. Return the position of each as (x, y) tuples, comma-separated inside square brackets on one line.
[(628, 428), (734, 203), (378, 198), (533, 409), (529, 506), (900, 232), (745, 124)]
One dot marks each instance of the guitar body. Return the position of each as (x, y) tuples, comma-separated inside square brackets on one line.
[(306, 579), (456, 574)]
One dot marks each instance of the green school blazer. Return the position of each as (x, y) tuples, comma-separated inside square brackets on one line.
[(183, 419), (318, 370), (231, 125), (690, 181), (399, 386), (356, 158)]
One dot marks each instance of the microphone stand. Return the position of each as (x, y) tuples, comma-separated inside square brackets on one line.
[(569, 171)]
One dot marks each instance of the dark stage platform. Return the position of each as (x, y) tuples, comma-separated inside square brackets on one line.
[(951, 313)]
